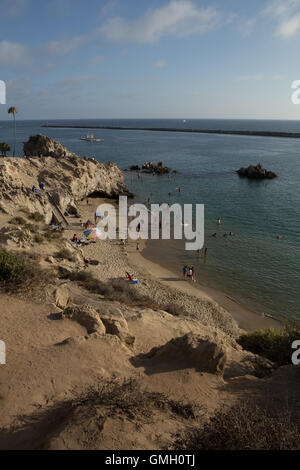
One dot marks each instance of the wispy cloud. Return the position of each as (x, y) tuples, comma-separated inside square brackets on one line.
[(14, 54), (62, 47), (97, 59), (249, 78), (286, 13), (177, 18), (160, 63), (10, 9)]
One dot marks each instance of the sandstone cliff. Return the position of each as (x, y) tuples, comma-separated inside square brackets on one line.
[(66, 178)]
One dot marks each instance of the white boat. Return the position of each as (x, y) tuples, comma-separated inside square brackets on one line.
[(90, 138)]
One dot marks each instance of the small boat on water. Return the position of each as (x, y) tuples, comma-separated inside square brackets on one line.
[(91, 138)]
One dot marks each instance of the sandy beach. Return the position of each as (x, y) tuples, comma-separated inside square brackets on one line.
[(117, 259)]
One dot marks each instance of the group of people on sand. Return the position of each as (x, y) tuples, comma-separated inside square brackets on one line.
[(80, 241), (189, 273)]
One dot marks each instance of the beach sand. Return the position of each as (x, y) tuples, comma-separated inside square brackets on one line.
[(115, 260)]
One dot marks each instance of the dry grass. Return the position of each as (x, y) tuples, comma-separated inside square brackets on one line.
[(65, 253), (244, 426), (117, 289)]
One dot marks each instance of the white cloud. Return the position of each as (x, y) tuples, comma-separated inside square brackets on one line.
[(245, 27), (14, 54), (247, 78), (10, 9), (286, 13), (160, 63), (96, 60), (55, 48), (177, 18)]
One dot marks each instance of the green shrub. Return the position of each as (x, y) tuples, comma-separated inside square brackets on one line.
[(64, 253), (11, 265), (244, 426), (18, 221), (274, 344), (36, 216), (38, 239), (52, 235), (21, 272)]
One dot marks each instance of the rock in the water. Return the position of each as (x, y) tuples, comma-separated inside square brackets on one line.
[(86, 316), (150, 167), (256, 172)]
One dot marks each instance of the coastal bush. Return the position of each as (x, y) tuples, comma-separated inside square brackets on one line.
[(38, 239), (119, 290), (36, 216), (64, 253), (52, 235), (11, 265), (244, 426), (21, 272), (18, 221), (128, 398), (274, 344)]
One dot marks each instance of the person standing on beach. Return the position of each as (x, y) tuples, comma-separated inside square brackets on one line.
[(199, 252), (193, 274), (184, 271), (219, 221), (137, 246)]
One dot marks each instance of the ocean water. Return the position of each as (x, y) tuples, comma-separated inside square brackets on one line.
[(252, 266)]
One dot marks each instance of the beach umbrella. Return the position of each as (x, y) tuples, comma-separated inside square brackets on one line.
[(92, 233)]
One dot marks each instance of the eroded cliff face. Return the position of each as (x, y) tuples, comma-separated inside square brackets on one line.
[(66, 177)]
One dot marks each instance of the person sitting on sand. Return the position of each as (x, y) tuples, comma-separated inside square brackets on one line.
[(74, 238)]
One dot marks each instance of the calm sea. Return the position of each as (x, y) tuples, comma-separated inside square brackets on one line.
[(252, 266)]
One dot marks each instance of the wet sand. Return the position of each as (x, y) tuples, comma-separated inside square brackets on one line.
[(146, 259)]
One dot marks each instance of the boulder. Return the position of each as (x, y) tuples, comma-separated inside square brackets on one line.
[(118, 327), (191, 350), (86, 316), (62, 297)]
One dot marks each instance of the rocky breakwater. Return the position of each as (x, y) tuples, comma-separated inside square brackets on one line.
[(51, 177), (256, 172)]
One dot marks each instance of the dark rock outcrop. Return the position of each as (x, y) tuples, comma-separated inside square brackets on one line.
[(256, 172)]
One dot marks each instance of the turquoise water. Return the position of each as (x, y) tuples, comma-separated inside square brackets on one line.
[(252, 266)]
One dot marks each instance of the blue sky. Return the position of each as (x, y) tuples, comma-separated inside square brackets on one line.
[(150, 59)]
